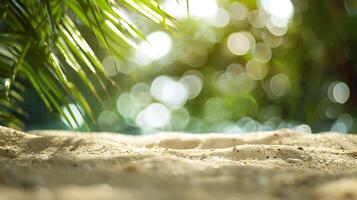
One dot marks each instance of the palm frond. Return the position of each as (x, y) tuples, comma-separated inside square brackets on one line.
[(40, 41)]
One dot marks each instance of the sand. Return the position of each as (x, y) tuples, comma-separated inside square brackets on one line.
[(282, 164)]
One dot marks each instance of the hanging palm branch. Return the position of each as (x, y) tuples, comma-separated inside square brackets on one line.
[(40, 41)]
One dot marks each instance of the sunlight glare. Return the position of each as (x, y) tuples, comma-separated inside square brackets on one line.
[(201, 9), (221, 19), (157, 46), (280, 11)]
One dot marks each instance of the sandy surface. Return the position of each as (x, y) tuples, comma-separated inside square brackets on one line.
[(273, 165)]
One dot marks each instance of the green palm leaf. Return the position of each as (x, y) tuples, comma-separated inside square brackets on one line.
[(40, 42)]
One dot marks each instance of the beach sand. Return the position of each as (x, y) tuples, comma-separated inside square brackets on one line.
[(282, 164)]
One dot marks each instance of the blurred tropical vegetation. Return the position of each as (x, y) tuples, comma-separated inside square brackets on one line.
[(143, 66)]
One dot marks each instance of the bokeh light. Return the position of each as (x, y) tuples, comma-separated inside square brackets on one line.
[(201, 9), (221, 19), (256, 70), (108, 120), (141, 91), (280, 11), (111, 65), (239, 43), (193, 85), (215, 110), (262, 52), (279, 84), (338, 92), (180, 117), (303, 128), (343, 123), (128, 105), (155, 115), (238, 11), (235, 80), (271, 40), (157, 46), (169, 91), (257, 18), (276, 30)]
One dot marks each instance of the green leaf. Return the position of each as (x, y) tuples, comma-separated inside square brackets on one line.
[(41, 43)]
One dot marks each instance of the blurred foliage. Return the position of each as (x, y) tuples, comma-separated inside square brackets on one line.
[(226, 66)]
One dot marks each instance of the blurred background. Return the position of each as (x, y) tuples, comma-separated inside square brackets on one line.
[(229, 66)]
